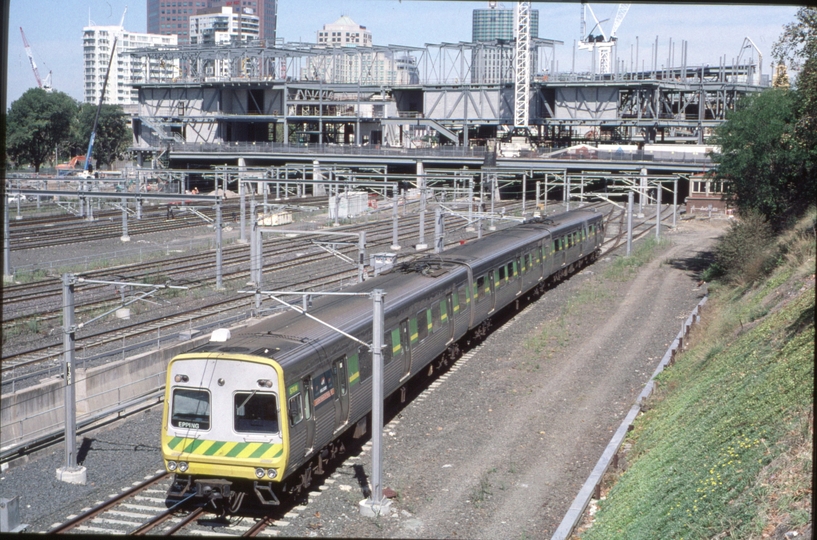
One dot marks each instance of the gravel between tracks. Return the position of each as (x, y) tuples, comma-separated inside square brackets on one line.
[(498, 449)]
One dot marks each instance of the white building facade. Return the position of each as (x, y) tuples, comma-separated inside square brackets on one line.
[(224, 26), (351, 59), (97, 42)]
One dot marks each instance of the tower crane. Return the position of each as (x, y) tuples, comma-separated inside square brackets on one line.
[(602, 43), (520, 134), (47, 84)]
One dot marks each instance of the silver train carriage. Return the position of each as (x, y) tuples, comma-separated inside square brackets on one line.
[(246, 411)]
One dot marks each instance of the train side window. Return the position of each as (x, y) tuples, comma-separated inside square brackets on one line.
[(296, 411), (497, 281), (413, 330), (190, 409), (462, 292), (365, 363), (422, 325), (388, 349), (455, 302), (444, 311), (255, 412), (339, 374), (479, 296), (307, 383), (396, 343), (502, 275), (436, 317), (322, 388), (530, 261), (353, 367)]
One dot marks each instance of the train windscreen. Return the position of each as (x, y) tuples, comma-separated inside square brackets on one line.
[(191, 409)]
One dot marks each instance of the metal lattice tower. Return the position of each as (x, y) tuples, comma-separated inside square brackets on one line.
[(522, 65)]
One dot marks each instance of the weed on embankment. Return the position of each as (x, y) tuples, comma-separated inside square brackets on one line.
[(725, 447)]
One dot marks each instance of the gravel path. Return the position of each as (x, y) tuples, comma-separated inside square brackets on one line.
[(498, 449)]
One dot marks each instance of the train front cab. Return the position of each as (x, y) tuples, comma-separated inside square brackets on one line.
[(223, 427)]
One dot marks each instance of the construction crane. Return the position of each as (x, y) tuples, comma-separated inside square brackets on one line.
[(601, 43), (45, 86), (520, 133), (86, 173)]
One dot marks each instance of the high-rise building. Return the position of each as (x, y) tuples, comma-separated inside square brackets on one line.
[(218, 26), (222, 26), (168, 17), (97, 42), (490, 24), (493, 30)]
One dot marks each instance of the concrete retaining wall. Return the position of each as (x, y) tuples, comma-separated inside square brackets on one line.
[(31, 413)]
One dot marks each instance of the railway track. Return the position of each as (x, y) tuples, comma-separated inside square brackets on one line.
[(48, 231), (150, 331)]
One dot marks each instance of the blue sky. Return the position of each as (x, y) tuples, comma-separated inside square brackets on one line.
[(54, 29)]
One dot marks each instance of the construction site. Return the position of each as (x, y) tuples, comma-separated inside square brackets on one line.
[(507, 97)]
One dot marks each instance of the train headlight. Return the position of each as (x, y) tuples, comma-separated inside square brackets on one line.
[(181, 378), (272, 473), (171, 466), (183, 466), (259, 473)]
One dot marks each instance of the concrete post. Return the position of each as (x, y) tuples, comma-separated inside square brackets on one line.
[(253, 247), (674, 202), (218, 225), (642, 194), (395, 245), (658, 212), (90, 210), (7, 276), (71, 473), (422, 242), (524, 192), (439, 241), (494, 192), (376, 504), (361, 259), (242, 200), (470, 226), (125, 237), (629, 223)]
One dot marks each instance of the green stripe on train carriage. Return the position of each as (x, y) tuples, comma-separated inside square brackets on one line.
[(172, 443), (237, 449), (260, 450), (192, 446), (214, 448)]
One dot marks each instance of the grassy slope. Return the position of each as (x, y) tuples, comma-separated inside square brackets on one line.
[(724, 448)]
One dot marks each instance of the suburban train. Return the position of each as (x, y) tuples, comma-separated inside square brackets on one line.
[(258, 409)]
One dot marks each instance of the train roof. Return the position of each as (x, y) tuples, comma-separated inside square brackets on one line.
[(285, 336)]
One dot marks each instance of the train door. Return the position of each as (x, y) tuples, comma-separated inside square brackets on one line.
[(448, 316), (405, 337), (309, 417), (491, 289), (341, 392)]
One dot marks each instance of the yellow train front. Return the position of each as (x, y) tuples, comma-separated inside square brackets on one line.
[(223, 435)]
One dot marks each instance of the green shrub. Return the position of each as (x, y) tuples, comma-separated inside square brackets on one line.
[(742, 255)]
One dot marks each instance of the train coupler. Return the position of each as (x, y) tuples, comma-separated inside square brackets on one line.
[(269, 499), (179, 486)]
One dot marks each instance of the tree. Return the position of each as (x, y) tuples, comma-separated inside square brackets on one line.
[(768, 156), (36, 123), (112, 132), (760, 161)]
